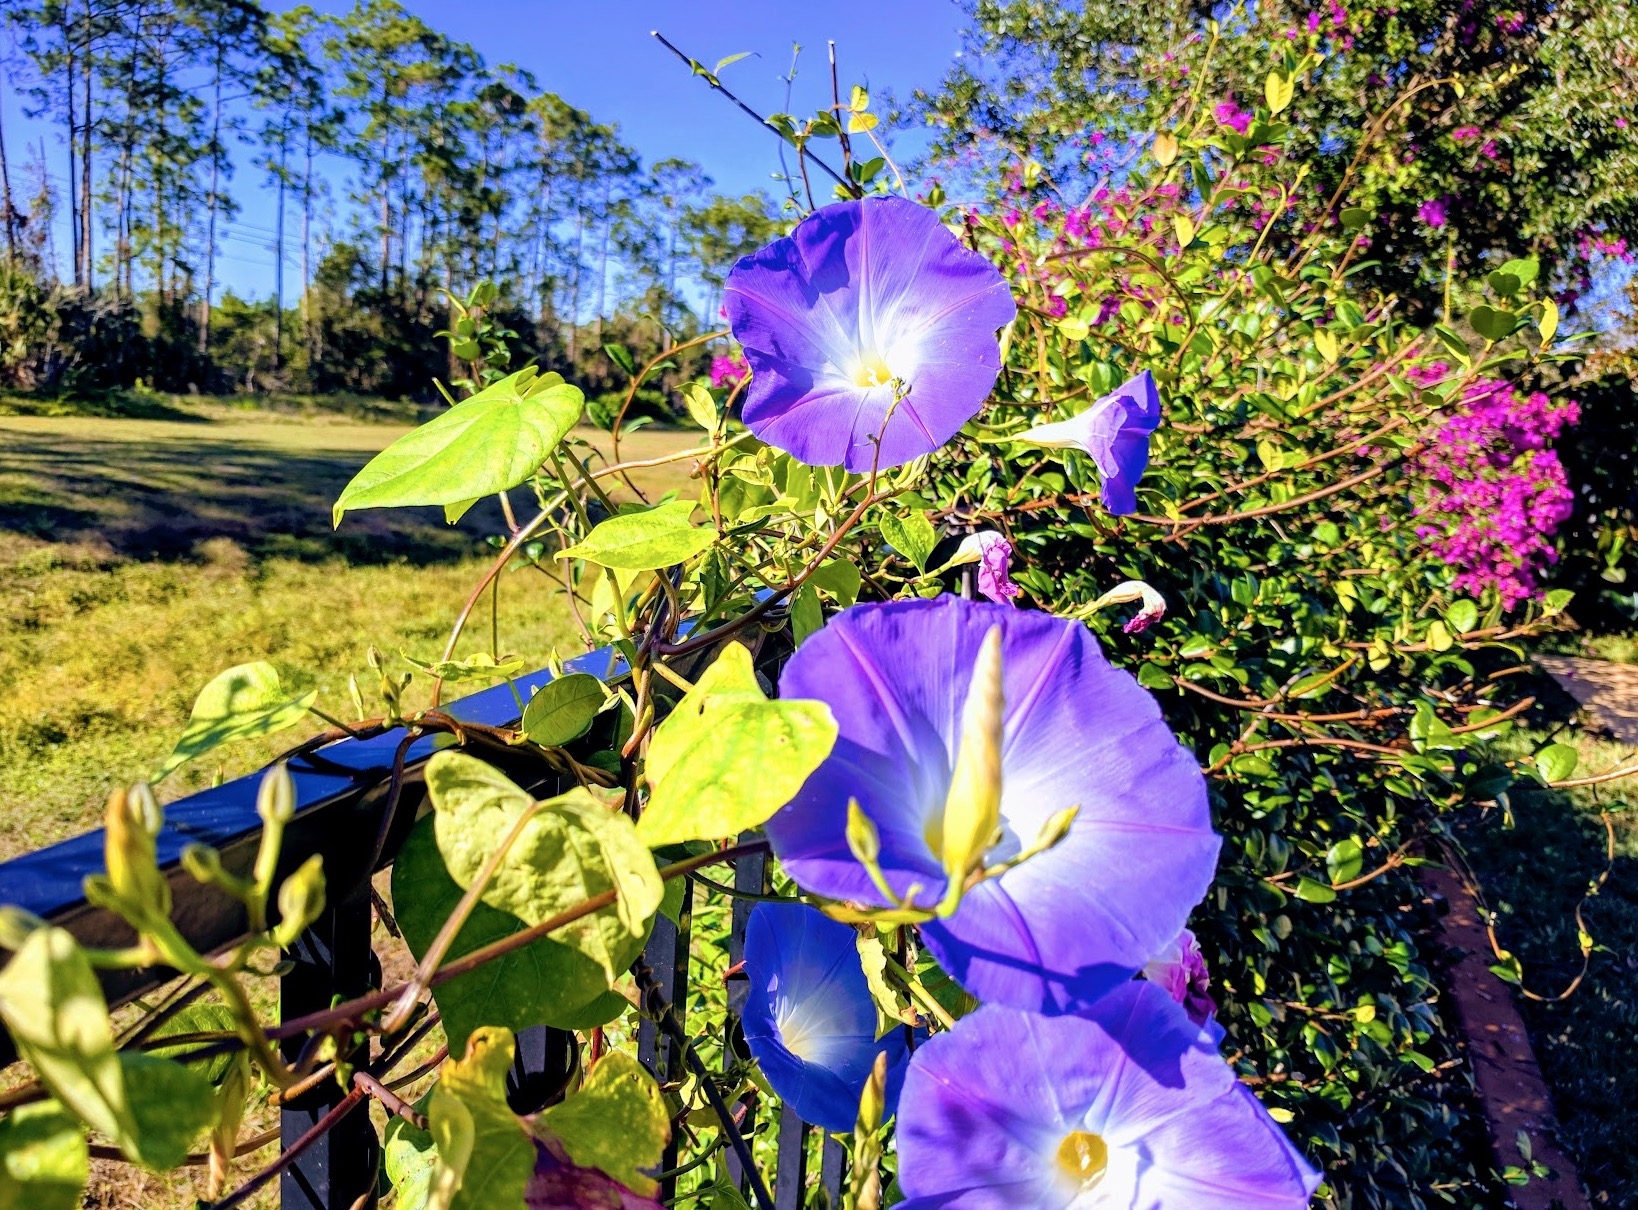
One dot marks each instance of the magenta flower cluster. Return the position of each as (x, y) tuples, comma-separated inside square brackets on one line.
[(1494, 493), (728, 371)]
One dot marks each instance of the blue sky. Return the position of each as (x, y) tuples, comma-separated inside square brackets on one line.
[(598, 55)]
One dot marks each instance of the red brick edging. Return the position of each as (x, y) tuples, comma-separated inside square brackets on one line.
[(1511, 1090)]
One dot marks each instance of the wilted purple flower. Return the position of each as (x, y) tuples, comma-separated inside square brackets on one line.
[(870, 323), (810, 1021), (1180, 971), (1435, 212), (1126, 1106), (558, 1183), (1114, 431), (993, 554), (1062, 928)]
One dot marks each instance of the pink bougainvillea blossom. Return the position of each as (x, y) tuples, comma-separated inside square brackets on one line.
[(1231, 115), (1492, 492), (727, 371)]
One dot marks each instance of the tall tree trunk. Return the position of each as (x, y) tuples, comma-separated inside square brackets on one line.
[(72, 81), (603, 257), (87, 121), (210, 222), (278, 264), (307, 251), (11, 211)]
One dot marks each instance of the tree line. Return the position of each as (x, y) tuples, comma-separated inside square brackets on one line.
[(452, 171)]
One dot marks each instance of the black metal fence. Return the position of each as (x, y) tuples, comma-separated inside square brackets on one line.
[(356, 800)]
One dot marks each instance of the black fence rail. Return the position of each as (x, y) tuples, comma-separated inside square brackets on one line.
[(356, 800)]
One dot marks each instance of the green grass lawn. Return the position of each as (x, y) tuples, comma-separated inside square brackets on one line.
[(139, 557)]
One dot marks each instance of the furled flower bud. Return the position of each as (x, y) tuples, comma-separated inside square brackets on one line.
[(301, 899)]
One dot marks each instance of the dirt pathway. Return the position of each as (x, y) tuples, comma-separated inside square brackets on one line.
[(1607, 692)]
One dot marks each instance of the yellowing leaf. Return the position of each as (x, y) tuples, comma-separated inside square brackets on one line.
[(1165, 148), (702, 408), (1183, 228), (485, 1156), (569, 849), (644, 541), (727, 758), (1326, 342), (480, 667), (1277, 91), (1548, 323), (860, 123), (483, 445), (241, 703), (616, 1123)]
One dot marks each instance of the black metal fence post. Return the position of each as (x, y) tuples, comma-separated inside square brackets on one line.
[(332, 960), (667, 957), (750, 877)]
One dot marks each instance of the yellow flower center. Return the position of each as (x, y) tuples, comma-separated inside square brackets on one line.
[(872, 371), (1083, 1157)]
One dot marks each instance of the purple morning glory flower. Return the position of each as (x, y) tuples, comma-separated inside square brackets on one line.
[(1114, 431), (810, 1021), (865, 300), (1127, 1106), (1062, 928)]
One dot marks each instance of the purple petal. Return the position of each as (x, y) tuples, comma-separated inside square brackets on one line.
[(809, 1019), (987, 1105), (877, 283), (1060, 930)]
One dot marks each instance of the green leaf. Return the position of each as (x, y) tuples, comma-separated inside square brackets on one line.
[(1491, 323), (840, 578), (485, 1154), (1556, 762), (483, 445), (241, 703), (408, 1159), (199, 1019), (1454, 344), (620, 356), (1504, 284), (1525, 270), (1462, 616), (1344, 860), (544, 983), (912, 535), (806, 615), (480, 667), (44, 1158), (1355, 217), (616, 1123), (702, 407), (644, 541), (1311, 891), (727, 758), (52, 1003), (1557, 601), (1153, 676), (570, 849), (721, 63), (563, 709)]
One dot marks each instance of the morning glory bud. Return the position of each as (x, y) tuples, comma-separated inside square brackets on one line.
[(276, 799), (972, 808), (863, 841), (301, 899), (129, 852), (15, 927)]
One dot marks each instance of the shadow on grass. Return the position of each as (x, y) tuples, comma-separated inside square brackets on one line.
[(1535, 866), (162, 499)]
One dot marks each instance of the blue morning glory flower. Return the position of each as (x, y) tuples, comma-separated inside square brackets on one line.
[(809, 1019), (1114, 432), (870, 321), (1128, 1107), (1065, 926)]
